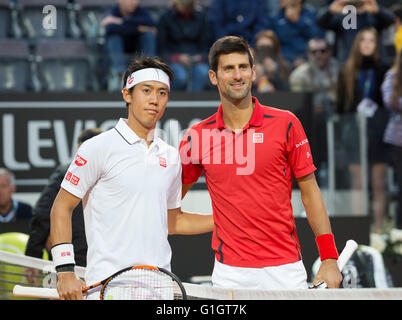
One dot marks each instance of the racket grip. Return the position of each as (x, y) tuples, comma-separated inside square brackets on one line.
[(34, 292), (343, 258), (346, 253)]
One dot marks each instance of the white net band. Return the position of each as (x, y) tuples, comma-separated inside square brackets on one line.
[(207, 292), (213, 293)]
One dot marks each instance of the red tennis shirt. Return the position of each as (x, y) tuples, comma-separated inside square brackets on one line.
[(249, 176)]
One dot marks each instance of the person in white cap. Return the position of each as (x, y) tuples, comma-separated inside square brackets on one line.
[(129, 181)]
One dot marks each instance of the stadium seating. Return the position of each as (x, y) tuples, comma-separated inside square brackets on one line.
[(9, 24), (76, 19), (32, 18), (14, 65), (50, 59), (5, 18), (89, 15), (64, 65)]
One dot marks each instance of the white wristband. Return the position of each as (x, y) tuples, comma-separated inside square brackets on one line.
[(63, 254)]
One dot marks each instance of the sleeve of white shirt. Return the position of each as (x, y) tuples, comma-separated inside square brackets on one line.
[(174, 193), (84, 170)]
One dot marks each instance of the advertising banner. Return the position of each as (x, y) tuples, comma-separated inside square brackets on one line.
[(37, 135)]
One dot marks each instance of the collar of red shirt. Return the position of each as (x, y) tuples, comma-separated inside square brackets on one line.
[(256, 119)]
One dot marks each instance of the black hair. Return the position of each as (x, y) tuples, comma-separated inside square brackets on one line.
[(227, 45), (397, 10), (321, 38)]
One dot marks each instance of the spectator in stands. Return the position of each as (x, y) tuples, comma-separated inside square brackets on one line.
[(369, 14), (272, 71), (359, 90), (243, 18), (295, 25), (272, 7), (183, 42), (319, 76), (392, 94), (130, 29), (11, 209), (40, 223)]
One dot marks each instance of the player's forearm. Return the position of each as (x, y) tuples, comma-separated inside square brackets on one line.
[(60, 217), (317, 215), (314, 206), (60, 225), (190, 223)]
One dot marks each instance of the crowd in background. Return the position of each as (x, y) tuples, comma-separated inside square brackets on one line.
[(279, 31)]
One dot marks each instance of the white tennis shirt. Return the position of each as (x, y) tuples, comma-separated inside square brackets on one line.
[(126, 189)]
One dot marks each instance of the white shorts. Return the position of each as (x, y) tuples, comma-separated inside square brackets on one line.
[(284, 277)]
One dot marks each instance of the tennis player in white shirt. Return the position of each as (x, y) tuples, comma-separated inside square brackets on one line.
[(130, 183)]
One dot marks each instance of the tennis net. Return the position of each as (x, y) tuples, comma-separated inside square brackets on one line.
[(16, 269)]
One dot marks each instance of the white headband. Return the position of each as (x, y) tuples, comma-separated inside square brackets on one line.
[(147, 74)]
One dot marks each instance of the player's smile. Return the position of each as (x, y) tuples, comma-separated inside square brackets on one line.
[(237, 85), (234, 76)]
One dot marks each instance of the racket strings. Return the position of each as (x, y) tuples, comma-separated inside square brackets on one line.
[(140, 284)]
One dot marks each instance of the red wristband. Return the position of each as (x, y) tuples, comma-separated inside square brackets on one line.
[(326, 246)]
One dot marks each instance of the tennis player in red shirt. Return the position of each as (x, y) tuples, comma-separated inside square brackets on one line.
[(249, 154)]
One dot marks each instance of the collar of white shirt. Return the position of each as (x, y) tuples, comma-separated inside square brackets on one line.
[(131, 137)]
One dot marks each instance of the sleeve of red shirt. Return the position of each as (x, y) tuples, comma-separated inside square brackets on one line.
[(298, 147), (191, 170)]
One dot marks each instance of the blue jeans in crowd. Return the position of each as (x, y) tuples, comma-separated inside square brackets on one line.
[(193, 79), (117, 47)]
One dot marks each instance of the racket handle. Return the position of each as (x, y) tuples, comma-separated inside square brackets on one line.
[(343, 258), (35, 292), (346, 253)]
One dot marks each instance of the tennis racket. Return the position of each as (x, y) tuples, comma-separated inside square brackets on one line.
[(343, 258), (141, 282)]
